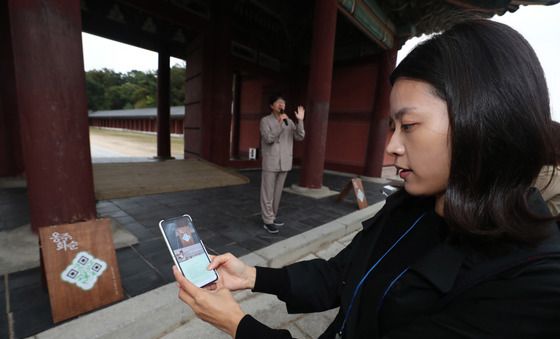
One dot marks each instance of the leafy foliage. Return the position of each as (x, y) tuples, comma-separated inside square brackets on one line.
[(108, 90)]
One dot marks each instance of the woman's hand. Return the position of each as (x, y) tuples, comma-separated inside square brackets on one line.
[(234, 273), (217, 307), (282, 117), (300, 113)]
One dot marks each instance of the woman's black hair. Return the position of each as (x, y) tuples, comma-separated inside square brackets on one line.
[(500, 126), (276, 96)]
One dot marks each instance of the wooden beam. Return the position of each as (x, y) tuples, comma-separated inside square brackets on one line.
[(166, 11)]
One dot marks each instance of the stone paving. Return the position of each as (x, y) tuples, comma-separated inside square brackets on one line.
[(271, 311), (228, 220), (160, 314)]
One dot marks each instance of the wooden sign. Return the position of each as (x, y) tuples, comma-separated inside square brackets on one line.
[(359, 192), (80, 267)]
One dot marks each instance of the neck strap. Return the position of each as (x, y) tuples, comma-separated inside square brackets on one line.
[(359, 286)]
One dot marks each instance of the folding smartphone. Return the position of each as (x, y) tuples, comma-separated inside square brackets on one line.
[(187, 250)]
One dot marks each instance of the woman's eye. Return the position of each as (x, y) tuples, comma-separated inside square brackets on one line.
[(407, 127)]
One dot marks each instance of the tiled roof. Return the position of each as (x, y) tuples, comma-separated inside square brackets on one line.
[(138, 113)]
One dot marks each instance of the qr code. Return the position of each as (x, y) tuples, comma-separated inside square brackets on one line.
[(84, 270)]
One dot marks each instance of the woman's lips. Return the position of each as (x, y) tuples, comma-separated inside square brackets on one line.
[(403, 173)]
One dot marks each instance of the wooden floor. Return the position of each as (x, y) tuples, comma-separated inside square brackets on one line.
[(121, 180), (138, 174)]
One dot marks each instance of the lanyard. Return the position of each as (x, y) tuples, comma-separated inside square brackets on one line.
[(359, 286)]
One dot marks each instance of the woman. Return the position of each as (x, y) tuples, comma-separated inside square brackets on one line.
[(468, 249)]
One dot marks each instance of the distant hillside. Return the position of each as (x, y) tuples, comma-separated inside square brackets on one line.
[(110, 90)]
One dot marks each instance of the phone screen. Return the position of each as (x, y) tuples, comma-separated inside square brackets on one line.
[(187, 250)]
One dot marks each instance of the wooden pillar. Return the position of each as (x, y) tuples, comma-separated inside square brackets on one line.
[(378, 127), (163, 110), (222, 80), (11, 162), (194, 103), (209, 89), (319, 93), (52, 105)]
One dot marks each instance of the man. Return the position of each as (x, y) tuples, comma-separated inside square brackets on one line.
[(548, 180), (277, 134), (184, 234)]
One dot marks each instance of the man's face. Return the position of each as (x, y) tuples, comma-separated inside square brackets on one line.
[(182, 230), (278, 106)]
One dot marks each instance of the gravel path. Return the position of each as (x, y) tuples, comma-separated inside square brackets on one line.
[(108, 143)]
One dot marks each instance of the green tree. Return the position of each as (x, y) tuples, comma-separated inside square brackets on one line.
[(101, 89), (107, 89), (116, 98), (95, 93), (177, 85)]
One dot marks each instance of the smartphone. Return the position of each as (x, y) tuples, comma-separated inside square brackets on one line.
[(187, 250)]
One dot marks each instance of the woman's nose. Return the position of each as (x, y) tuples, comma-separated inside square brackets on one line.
[(395, 146)]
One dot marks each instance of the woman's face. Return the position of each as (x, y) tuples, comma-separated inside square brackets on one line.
[(420, 142), (279, 105)]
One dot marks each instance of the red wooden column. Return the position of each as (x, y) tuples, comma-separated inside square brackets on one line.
[(11, 162), (51, 100), (218, 81), (379, 125), (319, 93), (208, 88), (163, 110)]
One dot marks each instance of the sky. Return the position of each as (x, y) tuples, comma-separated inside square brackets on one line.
[(538, 24), (104, 53)]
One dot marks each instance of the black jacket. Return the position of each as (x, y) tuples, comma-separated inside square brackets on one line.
[(424, 287)]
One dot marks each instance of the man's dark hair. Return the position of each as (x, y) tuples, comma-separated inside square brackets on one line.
[(500, 126), (272, 99)]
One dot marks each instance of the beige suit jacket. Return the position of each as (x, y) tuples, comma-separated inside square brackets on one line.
[(277, 141), (550, 193)]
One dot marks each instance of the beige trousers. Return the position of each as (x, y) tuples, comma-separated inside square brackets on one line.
[(272, 184)]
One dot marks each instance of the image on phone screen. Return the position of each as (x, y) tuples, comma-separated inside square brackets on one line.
[(187, 250)]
